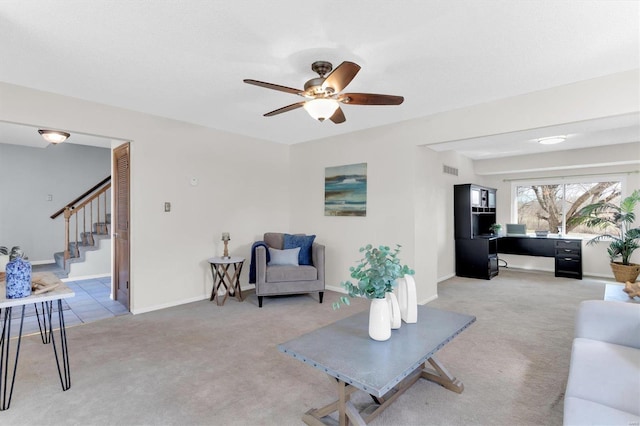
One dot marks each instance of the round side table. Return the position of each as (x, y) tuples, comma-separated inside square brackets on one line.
[(220, 271)]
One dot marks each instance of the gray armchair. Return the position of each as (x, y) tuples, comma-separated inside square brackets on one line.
[(272, 280)]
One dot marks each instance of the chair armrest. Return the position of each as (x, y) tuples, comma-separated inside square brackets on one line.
[(608, 321), (317, 258), (261, 265)]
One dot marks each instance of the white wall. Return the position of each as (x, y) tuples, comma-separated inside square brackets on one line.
[(30, 174), (396, 170), (243, 189)]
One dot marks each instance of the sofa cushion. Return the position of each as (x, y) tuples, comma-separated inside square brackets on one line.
[(605, 373), (581, 412), (291, 273), (274, 239), (283, 257), (304, 242)]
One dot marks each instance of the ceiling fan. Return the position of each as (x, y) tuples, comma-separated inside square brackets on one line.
[(323, 97)]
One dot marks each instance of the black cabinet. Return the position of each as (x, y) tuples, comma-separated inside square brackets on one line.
[(474, 212), (568, 254), (477, 258)]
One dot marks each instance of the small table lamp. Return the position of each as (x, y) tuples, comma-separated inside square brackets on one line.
[(226, 238)]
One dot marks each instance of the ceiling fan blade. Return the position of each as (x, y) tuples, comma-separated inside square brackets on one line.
[(274, 86), (370, 99), (284, 109), (340, 77), (338, 116)]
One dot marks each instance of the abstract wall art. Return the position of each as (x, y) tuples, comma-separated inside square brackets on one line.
[(345, 190)]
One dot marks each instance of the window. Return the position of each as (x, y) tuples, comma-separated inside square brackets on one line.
[(550, 206)]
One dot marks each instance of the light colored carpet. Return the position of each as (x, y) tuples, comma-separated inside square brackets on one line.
[(201, 364)]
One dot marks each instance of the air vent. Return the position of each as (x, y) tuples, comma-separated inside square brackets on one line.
[(449, 170)]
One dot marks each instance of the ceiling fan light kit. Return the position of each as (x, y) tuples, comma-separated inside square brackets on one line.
[(54, 136), (321, 109), (322, 94)]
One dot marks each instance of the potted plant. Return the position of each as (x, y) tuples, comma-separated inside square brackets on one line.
[(495, 228), (375, 275), (624, 239)]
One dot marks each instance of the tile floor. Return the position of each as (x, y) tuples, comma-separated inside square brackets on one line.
[(91, 303)]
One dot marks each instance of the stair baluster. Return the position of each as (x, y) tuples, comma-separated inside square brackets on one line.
[(101, 226)]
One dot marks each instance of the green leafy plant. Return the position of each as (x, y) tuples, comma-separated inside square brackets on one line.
[(375, 274), (607, 216), (495, 228), (14, 253)]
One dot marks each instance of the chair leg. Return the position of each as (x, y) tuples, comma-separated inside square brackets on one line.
[(259, 301), (321, 295)]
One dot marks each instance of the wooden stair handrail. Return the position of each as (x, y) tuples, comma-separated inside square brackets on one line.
[(71, 204), (90, 199)]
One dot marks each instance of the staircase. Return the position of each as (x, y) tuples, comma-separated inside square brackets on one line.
[(91, 254), (87, 244)]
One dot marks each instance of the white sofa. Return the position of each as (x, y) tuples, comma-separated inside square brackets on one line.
[(604, 375)]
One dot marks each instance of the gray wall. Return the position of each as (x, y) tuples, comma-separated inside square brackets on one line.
[(28, 176)]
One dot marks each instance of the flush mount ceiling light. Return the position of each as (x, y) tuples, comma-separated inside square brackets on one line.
[(54, 136), (552, 140), (321, 109)]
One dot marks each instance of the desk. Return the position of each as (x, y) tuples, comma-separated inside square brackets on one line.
[(220, 271), (46, 330), (566, 251), (384, 370)]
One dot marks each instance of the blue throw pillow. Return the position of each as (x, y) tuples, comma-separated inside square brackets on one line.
[(304, 242)]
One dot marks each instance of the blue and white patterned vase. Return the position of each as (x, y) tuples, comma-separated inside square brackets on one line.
[(18, 278)]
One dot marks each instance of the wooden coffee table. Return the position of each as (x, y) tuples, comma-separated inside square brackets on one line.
[(384, 370)]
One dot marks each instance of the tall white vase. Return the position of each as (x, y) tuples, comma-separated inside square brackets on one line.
[(407, 299), (394, 310), (379, 320)]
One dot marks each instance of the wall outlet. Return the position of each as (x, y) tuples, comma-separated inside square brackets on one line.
[(167, 207)]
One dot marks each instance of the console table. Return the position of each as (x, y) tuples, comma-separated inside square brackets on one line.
[(566, 251), (46, 330), (344, 351)]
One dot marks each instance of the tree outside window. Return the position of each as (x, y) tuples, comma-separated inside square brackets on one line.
[(551, 207)]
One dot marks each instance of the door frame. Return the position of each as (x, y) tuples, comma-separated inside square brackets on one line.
[(116, 273)]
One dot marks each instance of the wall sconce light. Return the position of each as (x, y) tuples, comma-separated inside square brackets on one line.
[(54, 136)]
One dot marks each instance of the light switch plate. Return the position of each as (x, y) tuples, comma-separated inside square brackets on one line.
[(167, 206)]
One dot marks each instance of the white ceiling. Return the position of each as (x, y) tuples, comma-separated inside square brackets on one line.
[(186, 59)]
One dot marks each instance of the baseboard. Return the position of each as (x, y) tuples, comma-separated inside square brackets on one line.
[(183, 302), (523, 268), (42, 262), (428, 299), (446, 277), (336, 289), (342, 290), (596, 275), (169, 305), (84, 277)]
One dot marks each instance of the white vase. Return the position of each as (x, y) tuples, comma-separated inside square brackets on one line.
[(379, 320), (407, 299), (394, 309)]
